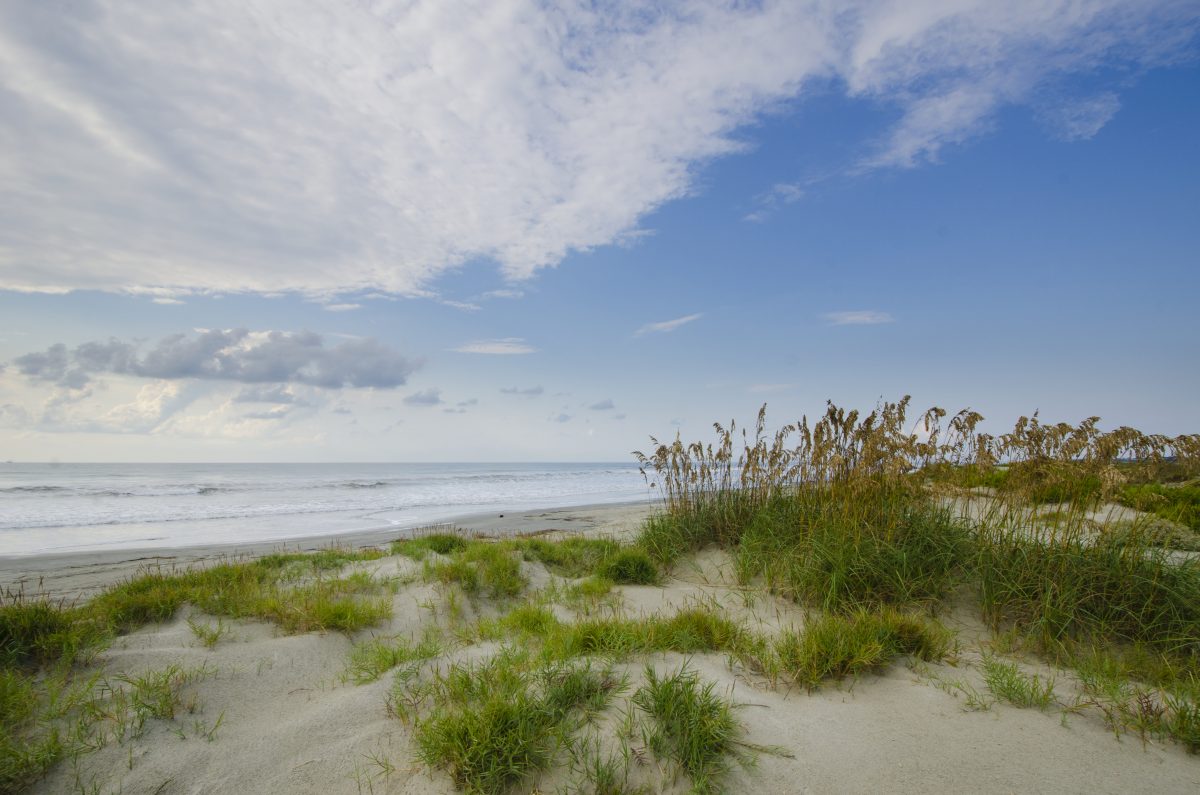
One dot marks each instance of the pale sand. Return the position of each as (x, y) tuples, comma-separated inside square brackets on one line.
[(73, 575), (290, 725)]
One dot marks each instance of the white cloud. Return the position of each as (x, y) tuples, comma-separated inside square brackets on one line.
[(863, 317), (501, 347), (344, 146), (341, 307), (666, 326), (166, 301), (1077, 120)]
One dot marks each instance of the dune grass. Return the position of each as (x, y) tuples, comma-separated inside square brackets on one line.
[(834, 646), (493, 724), (839, 516), (1008, 682), (692, 725), (50, 710)]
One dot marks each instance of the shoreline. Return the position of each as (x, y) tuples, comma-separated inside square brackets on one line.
[(79, 575)]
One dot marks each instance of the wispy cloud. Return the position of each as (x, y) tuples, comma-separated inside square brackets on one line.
[(464, 306), (166, 301), (666, 326), (529, 391), (507, 346), (603, 405), (767, 203), (1077, 120), (140, 132), (862, 317), (341, 307), (504, 293)]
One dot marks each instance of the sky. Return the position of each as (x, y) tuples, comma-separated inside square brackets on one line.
[(425, 230)]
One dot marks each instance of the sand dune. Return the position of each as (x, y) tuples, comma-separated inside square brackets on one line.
[(270, 712)]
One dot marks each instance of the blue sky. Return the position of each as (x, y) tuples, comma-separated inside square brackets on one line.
[(516, 231)]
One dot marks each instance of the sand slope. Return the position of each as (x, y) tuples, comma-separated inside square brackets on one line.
[(288, 723)]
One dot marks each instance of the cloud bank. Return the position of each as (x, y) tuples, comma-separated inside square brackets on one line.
[(339, 146), (251, 357)]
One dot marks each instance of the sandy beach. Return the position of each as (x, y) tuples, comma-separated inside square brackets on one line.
[(75, 575), (264, 711)]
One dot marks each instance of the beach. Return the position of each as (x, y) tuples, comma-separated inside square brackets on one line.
[(263, 710), (78, 575)]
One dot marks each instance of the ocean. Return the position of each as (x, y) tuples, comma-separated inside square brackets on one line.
[(46, 508)]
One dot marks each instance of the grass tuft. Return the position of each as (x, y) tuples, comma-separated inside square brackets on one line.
[(1007, 682), (690, 724), (835, 646)]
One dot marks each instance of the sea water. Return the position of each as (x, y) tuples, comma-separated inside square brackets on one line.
[(46, 508)]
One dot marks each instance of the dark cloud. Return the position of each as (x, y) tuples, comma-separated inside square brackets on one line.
[(603, 405), (48, 366), (532, 391), (426, 397), (471, 402), (455, 411), (277, 357)]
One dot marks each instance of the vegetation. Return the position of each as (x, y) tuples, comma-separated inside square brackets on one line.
[(1006, 681), (493, 724), (838, 515), (835, 646), (691, 725)]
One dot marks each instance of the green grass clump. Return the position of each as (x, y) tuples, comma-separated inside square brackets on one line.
[(494, 724), (835, 646), (481, 568), (1140, 691), (690, 630), (36, 632), (691, 725), (1179, 504), (371, 659), (841, 550), (1068, 590), (420, 546), (1007, 682), (631, 566), (569, 557), (666, 537), (28, 746)]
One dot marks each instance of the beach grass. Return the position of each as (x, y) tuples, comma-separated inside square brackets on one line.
[(692, 725), (835, 646)]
